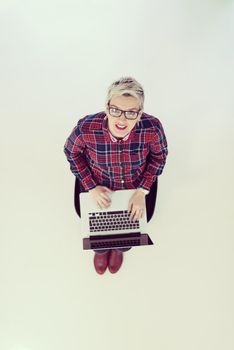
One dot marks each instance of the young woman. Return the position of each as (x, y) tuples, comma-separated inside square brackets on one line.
[(119, 148)]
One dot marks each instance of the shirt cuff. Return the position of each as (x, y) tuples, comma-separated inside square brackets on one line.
[(146, 184), (89, 184)]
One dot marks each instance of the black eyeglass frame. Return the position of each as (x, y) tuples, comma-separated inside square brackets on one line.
[(114, 116)]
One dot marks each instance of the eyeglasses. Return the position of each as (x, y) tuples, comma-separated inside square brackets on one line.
[(116, 112)]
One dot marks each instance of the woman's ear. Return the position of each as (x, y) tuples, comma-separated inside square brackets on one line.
[(140, 114)]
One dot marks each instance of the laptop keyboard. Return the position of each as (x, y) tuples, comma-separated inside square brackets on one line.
[(111, 221), (116, 243)]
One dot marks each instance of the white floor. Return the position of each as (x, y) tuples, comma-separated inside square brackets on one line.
[(57, 60), (177, 294)]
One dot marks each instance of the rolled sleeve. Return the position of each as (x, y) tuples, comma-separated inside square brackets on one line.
[(74, 150), (156, 159)]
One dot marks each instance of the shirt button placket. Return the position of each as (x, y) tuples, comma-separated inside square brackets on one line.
[(121, 161)]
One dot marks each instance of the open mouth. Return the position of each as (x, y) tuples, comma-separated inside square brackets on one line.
[(120, 127)]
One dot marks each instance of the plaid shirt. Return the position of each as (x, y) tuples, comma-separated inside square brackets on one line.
[(98, 158)]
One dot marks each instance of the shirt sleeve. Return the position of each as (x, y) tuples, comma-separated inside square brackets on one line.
[(74, 150), (156, 159)]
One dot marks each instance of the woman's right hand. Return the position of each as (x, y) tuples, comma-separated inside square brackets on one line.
[(100, 195)]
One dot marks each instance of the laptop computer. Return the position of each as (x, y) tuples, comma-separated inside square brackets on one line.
[(111, 228)]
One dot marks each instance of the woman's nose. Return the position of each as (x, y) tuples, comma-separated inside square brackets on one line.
[(122, 117)]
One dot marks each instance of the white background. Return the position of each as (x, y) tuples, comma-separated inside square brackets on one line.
[(57, 60)]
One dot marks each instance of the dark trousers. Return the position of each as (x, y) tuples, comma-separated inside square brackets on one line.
[(150, 204)]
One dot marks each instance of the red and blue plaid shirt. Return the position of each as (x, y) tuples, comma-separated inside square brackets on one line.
[(98, 158)]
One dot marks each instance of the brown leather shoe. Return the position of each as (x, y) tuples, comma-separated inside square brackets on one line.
[(101, 262), (115, 260)]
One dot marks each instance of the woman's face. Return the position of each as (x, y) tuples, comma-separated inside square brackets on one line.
[(121, 126)]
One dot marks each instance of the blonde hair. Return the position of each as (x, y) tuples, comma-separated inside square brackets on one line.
[(126, 86)]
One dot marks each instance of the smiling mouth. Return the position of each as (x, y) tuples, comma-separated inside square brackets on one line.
[(120, 127)]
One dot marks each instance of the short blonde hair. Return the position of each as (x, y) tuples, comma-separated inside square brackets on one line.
[(126, 86)]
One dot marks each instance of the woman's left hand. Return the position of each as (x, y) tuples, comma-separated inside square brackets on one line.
[(136, 205)]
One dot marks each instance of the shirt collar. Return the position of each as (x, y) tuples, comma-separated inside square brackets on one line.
[(114, 139)]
